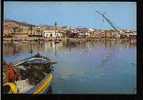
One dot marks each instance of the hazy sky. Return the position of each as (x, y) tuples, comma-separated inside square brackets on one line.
[(122, 14)]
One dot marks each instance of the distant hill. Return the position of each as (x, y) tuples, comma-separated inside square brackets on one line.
[(19, 22), (10, 26)]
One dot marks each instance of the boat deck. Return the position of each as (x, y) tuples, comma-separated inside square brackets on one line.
[(23, 86)]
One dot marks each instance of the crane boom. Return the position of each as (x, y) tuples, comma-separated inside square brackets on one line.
[(111, 24)]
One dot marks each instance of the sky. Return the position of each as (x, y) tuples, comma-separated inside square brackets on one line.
[(75, 14)]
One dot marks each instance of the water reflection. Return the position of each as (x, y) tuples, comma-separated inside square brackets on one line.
[(12, 48)]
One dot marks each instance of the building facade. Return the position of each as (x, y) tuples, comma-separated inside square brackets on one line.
[(52, 34)]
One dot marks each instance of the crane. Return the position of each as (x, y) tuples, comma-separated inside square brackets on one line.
[(111, 52), (110, 23)]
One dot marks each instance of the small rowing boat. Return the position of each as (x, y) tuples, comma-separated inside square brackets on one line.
[(35, 76)]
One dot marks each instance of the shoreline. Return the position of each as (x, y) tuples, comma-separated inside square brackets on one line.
[(73, 40), (68, 39)]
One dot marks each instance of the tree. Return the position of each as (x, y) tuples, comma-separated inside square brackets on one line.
[(15, 29), (30, 29)]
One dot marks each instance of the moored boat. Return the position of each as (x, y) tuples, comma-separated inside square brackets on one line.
[(35, 76)]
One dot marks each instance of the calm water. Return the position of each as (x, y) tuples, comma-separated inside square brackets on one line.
[(91, 67)]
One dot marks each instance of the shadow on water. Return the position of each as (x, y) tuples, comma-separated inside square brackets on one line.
[(50, 90), (69, 44)]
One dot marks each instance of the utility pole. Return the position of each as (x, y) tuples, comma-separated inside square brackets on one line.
[(55, 28), (55, 37), (30, 29)]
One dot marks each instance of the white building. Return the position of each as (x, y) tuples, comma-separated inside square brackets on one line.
[(91, 30), (52, 34)]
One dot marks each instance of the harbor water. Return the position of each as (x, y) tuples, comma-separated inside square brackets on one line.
[(94, 67)]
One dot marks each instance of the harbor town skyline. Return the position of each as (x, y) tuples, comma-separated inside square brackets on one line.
[(79, 14)]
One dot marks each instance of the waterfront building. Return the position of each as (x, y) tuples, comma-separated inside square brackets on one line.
[(37, 32), (52, 34), (112, 34), (7, 31), (83, 32), (116, 34), (108, 34), (100, 34), (20, 36), (131, 34)]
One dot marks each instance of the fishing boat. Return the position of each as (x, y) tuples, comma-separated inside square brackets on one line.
[(35, 76)]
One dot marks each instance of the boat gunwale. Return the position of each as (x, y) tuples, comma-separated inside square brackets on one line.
[(36, 87), (31, 58)]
